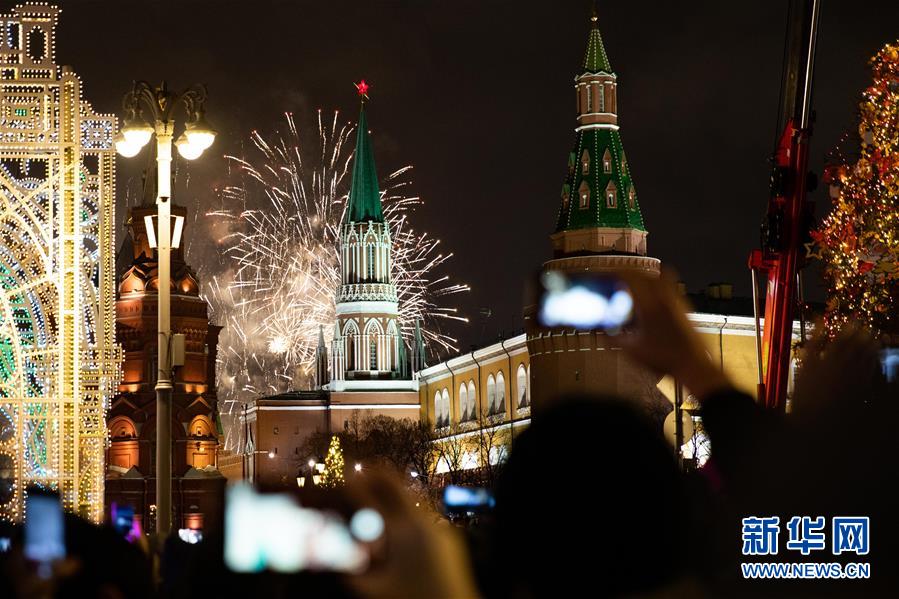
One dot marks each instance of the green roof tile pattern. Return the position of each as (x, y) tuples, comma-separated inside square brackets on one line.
[(365, 197), (606, 169), (599, 144), (595, 60)]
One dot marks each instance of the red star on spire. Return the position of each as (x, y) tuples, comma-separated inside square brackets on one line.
[(362, 88)]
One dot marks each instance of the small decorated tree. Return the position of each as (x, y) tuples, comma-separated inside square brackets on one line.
[(332, 475), (858, 241)]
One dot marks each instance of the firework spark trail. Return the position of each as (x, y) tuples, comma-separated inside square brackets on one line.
[(284, 213)]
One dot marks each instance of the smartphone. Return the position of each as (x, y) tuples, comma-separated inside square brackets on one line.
[(584, 302), (889, 363), (122, 518), (191, 536), (44, 530), (463, 500), (273, 532)]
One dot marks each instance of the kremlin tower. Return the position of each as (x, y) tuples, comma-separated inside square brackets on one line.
[(368, 350), (599, 229)]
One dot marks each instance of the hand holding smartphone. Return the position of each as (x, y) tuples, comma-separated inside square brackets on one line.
[(273, 532), (588, 302)]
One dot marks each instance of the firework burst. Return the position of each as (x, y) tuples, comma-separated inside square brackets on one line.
[(282, 217)]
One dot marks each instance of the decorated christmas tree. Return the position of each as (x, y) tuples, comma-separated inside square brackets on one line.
[(332, 475), (858, 241)]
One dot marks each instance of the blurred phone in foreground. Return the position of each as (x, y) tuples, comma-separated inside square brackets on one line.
[(889, 363), (585, 302), (463, 500), (44, 529), (272, 532)]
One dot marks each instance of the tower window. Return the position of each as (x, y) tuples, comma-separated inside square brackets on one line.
[(585, 163), (565, 195), (611, 195), (373, 355), (370, 250), (589, 100), (601, 99), (607, 163), (631, 197), (584, 193)]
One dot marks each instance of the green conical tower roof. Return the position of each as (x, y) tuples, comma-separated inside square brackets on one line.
[(597, 166), (365, 197), (595, 60)]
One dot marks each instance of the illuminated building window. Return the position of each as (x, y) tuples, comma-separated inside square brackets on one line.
[(607, 163), (500, 404), (522, 380), (491, 394), (585, 163), (583, 193), (611, 195), (463, 402)]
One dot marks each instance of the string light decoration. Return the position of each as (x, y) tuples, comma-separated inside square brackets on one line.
[(59, 364), (332, 475), (858, 241)]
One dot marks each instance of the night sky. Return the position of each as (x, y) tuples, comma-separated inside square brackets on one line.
[(478, 96)]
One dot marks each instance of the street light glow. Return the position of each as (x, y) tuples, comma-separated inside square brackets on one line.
[(187, 149), (124, 147), (137, 133)]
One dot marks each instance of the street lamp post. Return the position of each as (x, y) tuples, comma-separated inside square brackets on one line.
[(197, 136)]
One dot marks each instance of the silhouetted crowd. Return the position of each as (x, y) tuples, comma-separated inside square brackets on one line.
[(591, 501)]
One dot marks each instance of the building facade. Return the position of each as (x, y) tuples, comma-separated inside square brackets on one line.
[(131, 457)]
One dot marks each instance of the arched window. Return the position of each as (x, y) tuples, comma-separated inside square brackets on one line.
[(607, 163), (565, 194), (446, 407), (373, 353), (611, 195), (438, 410), (623, 165), (122, 427), (529, 384), (585, 162), (522, 380), (463, 402), (584, 193), (631, 197), (350, 334), (500, 393), (370, 260), (491, 393), (472, 399), (600, 99)]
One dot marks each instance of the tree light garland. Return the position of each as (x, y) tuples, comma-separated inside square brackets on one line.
[(858, 241)]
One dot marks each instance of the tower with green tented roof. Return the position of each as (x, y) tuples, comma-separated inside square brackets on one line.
[(599, 212), (599, 229)]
